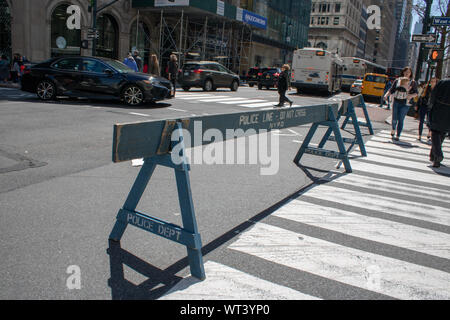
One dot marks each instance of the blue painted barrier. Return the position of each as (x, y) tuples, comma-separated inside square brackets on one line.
[(152, 140), (358, 102)]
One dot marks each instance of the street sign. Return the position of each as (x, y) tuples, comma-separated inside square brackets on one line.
[(432, 45), (441, 21), (424, 38)]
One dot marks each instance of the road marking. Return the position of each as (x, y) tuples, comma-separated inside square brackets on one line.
[(407, 144), (258, 105), (242, 101), (220, 98), (196, 97), (396, 187), (233, 284), (379, 230), (397, 162), (397, 147), (354, 267), (174, 109), (139, 114), (389, 205)]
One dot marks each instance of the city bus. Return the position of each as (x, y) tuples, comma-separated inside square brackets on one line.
[(356, 69), (315, 69), (394, 73)]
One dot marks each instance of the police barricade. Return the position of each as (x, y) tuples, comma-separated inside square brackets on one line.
[(347, 110), (157, 141), (358, 102)]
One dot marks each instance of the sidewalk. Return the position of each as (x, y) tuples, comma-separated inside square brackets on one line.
[(10, 85)]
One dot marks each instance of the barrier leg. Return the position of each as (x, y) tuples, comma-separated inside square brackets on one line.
[(358, 135), (340, 142), (133, 197), (187, 213), (305, 144), (366, 114)]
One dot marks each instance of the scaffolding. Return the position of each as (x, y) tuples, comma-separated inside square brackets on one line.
[(201, 37)]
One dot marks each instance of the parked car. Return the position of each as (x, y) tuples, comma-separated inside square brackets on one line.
[(94, 77), (269, 78), (252, 76), (356, 87), (208, 75)]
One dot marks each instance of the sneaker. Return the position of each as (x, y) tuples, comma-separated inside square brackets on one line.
[(436, 164)]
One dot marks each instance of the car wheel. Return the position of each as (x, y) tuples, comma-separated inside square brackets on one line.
[(186, 88), (208, 86), (46, 90), (133, 95), (259, 87), (234, 86)]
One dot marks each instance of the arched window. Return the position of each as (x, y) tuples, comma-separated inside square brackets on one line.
[(142, 35), (5, 29), (64, 41), (108, 40)]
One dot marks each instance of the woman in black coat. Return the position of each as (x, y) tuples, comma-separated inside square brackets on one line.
[(283, 85), (439, 120)]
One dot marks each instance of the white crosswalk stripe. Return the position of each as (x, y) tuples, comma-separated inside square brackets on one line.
[(403, 210)]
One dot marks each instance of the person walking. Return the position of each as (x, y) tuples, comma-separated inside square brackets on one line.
[(154, 66), (404, 89), (18, 68), (173, 72), (4, 69), (283, 86), (439, 120), (423, 107), (386, 89), (138, 60), (129, 61)]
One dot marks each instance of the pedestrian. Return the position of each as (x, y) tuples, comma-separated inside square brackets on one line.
[(423, 107), (404, 90), (14, 72), (387, 87), (18, 68), (4, 69), (284, 85), (439, 120), (173, 72), (130, 62), (138, 60), (154, 66)]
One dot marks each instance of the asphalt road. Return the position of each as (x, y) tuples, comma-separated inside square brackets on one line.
[(60, 193)]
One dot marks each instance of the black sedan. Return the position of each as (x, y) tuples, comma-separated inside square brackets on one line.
[(94, 77)]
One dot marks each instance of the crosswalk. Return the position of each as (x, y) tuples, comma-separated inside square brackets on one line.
[(251, 102), (384, 229)]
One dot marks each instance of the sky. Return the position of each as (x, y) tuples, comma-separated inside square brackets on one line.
[(434, 12)]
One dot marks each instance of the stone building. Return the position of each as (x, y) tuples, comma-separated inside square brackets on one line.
[(238, 33)]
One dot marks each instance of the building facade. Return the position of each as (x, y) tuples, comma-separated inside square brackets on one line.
[(237, 33), (403, 15), (383, 39), (335, 25)]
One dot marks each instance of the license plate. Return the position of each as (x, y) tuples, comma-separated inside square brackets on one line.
[(268, 77), (186, 73), (309, 79)]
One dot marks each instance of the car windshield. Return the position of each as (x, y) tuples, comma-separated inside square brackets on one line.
[(377, 79), (119, 66), (272, 71), (190, 66)]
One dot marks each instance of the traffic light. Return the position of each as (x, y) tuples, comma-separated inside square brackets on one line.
[(436, 55)]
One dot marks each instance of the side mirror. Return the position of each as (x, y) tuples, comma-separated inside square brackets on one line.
[(109, 72)]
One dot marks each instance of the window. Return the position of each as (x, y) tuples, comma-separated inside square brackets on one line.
[(337, 8), (93, 66), (336, 21), (69, 64), (5, 29), (107, 43), (63, 40), (142, 33), (312, 20)]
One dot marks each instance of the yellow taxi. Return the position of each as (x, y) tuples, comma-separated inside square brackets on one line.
[(373, 85)]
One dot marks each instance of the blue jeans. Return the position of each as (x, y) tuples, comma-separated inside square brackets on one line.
[(398, 116)]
